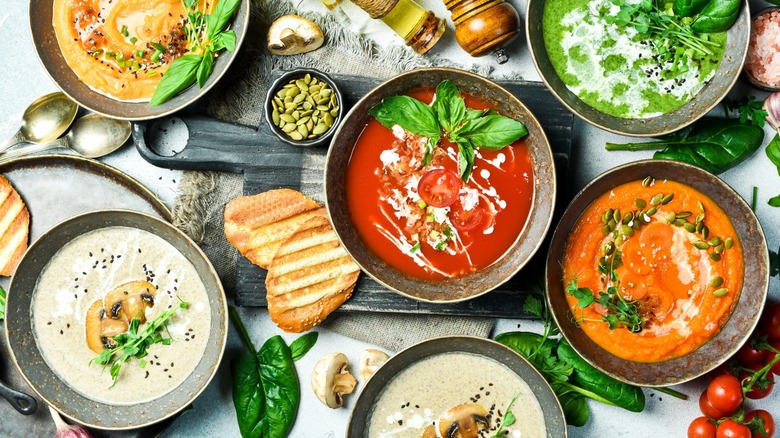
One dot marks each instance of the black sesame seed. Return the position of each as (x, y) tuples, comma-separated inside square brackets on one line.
[(61, 332), (48, 323), (147, 375)]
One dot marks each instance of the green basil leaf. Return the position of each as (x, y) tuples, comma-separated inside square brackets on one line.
[(180, 74), (449, 105), (466, 155), (717, 16), (689, 8), (204, 70), (773, 152), (2, 303), (491, 132), (217, 20), (225, 40), (775, 201), (280, 383), (302, 345), (248, 395), (408, 113)]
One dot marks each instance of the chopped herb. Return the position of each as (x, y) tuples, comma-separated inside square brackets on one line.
[(156, 56), (441, 245), (124, 31), (139, 53), (133, 40), (2, 303), (97, 53), (415, 248), (754, 200), (159, 47)]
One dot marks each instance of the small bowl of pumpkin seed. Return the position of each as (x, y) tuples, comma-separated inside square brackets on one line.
[(303, 107)]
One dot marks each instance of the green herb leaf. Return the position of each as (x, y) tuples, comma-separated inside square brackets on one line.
[(584, 295), (717, 16), (689, 8), (449, 105), (408, 113), (2, 303), (302, 345), (466, 155), (508, 420), (204, 69), (225, 40), (248, 395), (490, 132), (217, 20), (181, 74), (774, 201), (773, 152)]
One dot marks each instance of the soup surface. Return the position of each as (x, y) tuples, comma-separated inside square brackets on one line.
[(614, 70), (384, 175), (88, 268), (425, 391), (666, 255)]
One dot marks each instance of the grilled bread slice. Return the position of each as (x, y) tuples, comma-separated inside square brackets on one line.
[(310, 276), (14, 228), (257, 225)]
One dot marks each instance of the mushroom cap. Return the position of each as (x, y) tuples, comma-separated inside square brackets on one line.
[(293, 34), (463, 421), (370, 361), (331, 379)]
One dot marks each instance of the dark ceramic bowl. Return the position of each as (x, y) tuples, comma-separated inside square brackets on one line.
[(551, 408), (27, 357), (480, 282), (707, 98), (744, 316), (45, 42), (299, 73)]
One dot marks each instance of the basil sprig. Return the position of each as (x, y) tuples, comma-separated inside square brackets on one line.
[(469, 128), (206, 36)]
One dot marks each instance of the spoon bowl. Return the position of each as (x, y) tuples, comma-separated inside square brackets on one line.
[(44, 120)]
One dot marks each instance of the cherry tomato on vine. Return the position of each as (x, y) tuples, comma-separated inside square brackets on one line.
[(725, 393), (748, 354), (769, 423), (732, 429), (439, 187), (770, 321), (701, 428), (709, 410), (757, 393), (771, 356)]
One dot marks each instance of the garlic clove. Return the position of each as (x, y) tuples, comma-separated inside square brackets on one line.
[(772, 107), (65, 430)]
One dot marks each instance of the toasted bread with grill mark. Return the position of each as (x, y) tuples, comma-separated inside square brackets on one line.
[(257, 225), (310, 276), (14, 228)]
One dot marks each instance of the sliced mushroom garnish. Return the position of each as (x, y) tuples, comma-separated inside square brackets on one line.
[(331, 379), (131, 299), (101, 330), (292, 34), (462, 421)]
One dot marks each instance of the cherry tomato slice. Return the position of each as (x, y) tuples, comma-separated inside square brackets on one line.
[(702, 428), (439, 187), (769, 423), (709, 410), (732, 429), (725, 393), (770, 321), (481, 215)]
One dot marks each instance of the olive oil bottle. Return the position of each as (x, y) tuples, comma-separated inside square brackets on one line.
[(420, 28)]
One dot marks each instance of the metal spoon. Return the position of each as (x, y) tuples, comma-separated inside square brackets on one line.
[(92, 136), (44, 120)]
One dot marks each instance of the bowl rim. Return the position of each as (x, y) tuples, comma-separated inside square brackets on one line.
[(410, 350), (224, 329), (753, 81), (562, 235), (243, 12), (553, 184), (668, 128), (279, 83)]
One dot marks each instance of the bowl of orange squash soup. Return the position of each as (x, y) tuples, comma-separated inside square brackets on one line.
[(657, 272)]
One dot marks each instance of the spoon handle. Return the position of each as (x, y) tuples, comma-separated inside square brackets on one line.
[(33, 148), (22, 402), (15, 139)]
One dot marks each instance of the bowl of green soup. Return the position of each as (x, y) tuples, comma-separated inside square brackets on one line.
[(638, 67)]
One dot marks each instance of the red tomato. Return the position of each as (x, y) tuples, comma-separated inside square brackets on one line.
[(757, 393), (770, 321), (439, 187), (701, 428), (749, 355), (481, 215), (769, 423), (771, 356), (709, 410), (732, 429), (725, 393)]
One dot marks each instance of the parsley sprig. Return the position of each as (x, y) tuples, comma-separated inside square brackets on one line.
[(133, 344), (749, 108)]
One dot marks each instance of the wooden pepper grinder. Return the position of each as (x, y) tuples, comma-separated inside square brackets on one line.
[(484, 26), (421, 29)]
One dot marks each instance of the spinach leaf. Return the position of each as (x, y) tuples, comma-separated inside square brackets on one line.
[(180, 74), (302, 345), (248, 395), (408, 113), (449, 105), (689, 8), (575, 406), (585, 375), (204, 69), (717, 16), (217, 20), (773, 151), (490, 132), (715, 145), (774, 263), (774, 201), (2, 303)]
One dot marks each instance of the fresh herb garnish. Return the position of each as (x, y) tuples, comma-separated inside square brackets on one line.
[(415, 248), (773, 152), (2, 303), (302, 345), (205, 35), (468, 128), (266, 391), (749, 108), (133, 344), (508, 420), (715, 145), (754, 199)]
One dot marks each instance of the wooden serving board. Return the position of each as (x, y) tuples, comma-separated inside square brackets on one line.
[(267, 163)]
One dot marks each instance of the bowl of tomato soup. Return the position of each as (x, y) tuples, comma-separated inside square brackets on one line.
[(657, 272), (436, 210)]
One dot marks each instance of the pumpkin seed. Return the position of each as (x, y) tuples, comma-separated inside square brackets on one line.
[(606, 216), (689, 227), (302, 85), (290, 127), (684, 214), (294, 91), (701, 206), (307, 78), (309, 125), (652, 211), (302, 120), (328, 119), (715, 241), (715, 257), (303, 130), (700, 218), (647, 181), (619, 240), (322, 107), (307, 106), (699, 227), (275, 117), (605, 230), (628, 217), (667, 199), (299, 98), (670, 217), (655, 200), (728, 243), (612, 224), (609, 248), (680, 222), (716, 282), (322, 127), (628, 231), (334, 112), (700, 244), (636, 225), (616, 216), (640, 203), (287, 118), (722, 292), (705, 232), (719, 249), (295, 135)]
